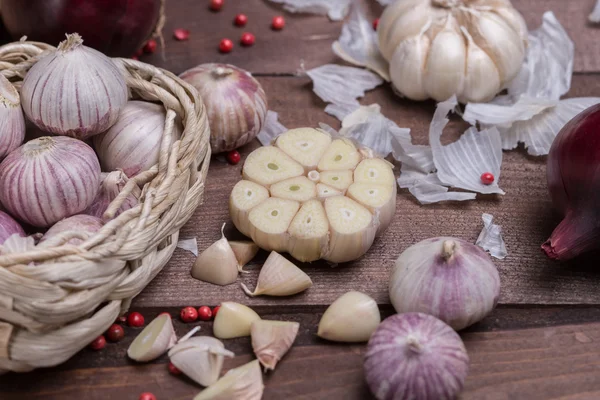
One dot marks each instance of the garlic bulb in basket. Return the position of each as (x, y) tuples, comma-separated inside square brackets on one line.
[(440, 48), (12, 122), (80, 225), (110, 186), (75, 91), (48, 179), (314, 197), (8, 227), (235, 102)]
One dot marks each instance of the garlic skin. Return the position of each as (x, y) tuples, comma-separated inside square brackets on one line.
[(235, 102), (200, 358), (279, 277), (352, 318), (241, 383), (272, 339), (75, 91), (217, 264), (82, 225), (12, 121), (439, 48), (156, 338), (244, 251), (448, 278), (415, 356), (233, 320)]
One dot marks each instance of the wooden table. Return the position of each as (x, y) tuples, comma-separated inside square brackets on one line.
[(540, 343)]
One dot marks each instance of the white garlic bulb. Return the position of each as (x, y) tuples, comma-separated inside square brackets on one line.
[(439, 48)]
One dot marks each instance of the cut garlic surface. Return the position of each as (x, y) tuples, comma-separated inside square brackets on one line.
[(156, 338), (272, 339), (233, 320), (241, 383), (295, 197), (279, 277), (244, 251)]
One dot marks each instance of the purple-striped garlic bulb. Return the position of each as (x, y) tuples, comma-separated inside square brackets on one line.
[(448, 278), (235, 102), (415, 356), (12, 121), (133, 143), (48, 179), (111, 185), (74, 91), (8, 227), (82, 226)]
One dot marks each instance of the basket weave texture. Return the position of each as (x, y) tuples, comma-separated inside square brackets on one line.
[(55, 298)]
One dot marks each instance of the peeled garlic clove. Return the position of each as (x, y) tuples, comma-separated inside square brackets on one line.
[(339, 180), (156, 338), (267, 165), (309, 232), (244, 252), (279, 277), (12, 122), (241, 383), (244, 197), (380, 200), (233, 320), (200, 358), (353, 317), (340, 155), (299, 189), (448, 278), (324, 191), (217, 264), (305, 145), (269, 222), (272, 339), (376, 171)]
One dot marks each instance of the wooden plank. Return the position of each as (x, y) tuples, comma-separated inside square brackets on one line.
[(311, 36)]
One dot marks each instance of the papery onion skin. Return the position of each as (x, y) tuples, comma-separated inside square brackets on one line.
[(8, 227), (12, 121), (235, 102), (111, 185), (133, 143), (78, 223), (574, 182), (415, 356), (74, 91), (449, 278), (48, 179)]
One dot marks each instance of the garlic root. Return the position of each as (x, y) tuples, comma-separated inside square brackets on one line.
[(272, 339), (217, 264), (279, 277), (233, 320)]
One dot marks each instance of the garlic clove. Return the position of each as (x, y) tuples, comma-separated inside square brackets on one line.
[(272, 339), (339, 180), (407, 66), (380, 200), (279, 277), (305, 145), (241, 383), (515, 20), (12, 121), (376, 171), (309, 232), (340, 155), (482, 79), (217, 264), (324, 192), (244, 251), (400, 21), (353, 317), (233, 320), (244, 197), (156, 338), (269, 222), (352, 229), (200, 358), (268, 165), (299, 189)]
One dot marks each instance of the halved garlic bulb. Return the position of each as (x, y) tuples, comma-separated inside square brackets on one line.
[(233, 320), (272, 339), (244, 251), (241, 383), (314, 197), (156, 338), (217, 264), (279, 277), (439, 48)]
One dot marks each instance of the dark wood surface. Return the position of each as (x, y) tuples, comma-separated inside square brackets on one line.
[(540, 343)]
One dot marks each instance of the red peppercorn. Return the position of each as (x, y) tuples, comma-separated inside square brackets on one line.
[(225, 46), (376, 24), (181, 34), (98, 343), (188, 314), (278, 23), (216, 5), (487, 178), (150, 46), (215, 311), (135, 320), (247, 39), (205, 313), (115, 333), (147, 396), (234, 157), (173, 369), (240, 20)]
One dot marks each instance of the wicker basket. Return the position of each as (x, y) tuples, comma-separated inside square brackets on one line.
[(52, 309)]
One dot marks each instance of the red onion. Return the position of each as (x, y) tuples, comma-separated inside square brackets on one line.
[(574, 182), (415, 356), (48, 179), (115, 27), (12, 122), (77, 223), (8, 227), (110, 186)]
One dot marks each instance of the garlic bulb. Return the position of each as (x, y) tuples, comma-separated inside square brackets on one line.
[(217, 264), (353, 317), (133, 143), (314, 197), (75, 91), (415, 356), (439, 48), (233, 320), (80, 226), (12, 122), (200, 358), (48, 179), (235, 102), (111, 184), (156, 338), (9, 227), (279, 277), (241, 383), (272, 339), (448, 278), (244, 251)]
